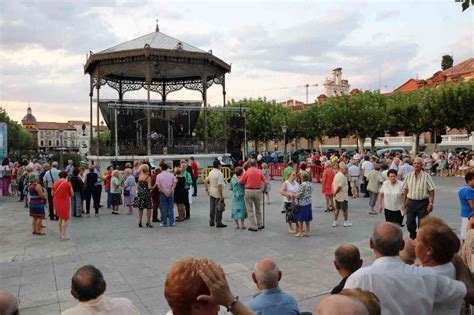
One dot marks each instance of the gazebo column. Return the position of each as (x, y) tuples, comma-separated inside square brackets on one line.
[(148, 110), (91, 94), (98, 118), (225, 113), (204, 100)]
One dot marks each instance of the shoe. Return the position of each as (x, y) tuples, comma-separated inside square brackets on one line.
[(186, 218), (148, 225), (372, 212), (334, 223), (307, 234), (299, 235), (173, 224), (162, 225), (220, 225), (252, 230), (194, 195), (155, 220), (291, 231), (346, 224), (96, 214), (327, 210), (283, 211), (261, 227), (140, 225), (243, 228), (211, 224)]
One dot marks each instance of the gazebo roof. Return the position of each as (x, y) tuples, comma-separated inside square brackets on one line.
[(156, 40)]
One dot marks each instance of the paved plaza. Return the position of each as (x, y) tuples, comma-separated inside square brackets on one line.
[(135, 261)]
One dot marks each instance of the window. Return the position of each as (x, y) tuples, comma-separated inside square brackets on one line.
[(57, 143), (50, 143), (42, 143), (41, 134)]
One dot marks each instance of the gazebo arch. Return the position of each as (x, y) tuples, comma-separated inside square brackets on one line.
[(158, 63)]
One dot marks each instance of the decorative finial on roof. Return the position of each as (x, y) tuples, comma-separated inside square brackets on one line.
[(157, 29)]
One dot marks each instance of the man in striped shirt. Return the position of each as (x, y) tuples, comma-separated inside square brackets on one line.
[(418, 196)]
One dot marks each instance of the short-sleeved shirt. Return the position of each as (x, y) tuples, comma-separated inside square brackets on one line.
[(215, 178), (375, 181), (392, 195), (418, 188), (51, 176), (253, 178), (367, 166), (165, 181), (465, 194), (189, 179), (115, 187), (340, 180), (274, 302)]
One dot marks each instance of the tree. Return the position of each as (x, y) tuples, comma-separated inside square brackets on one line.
[(446, 62), (312, 123), (368, 116), (407, 113), (466, 4), (336, 118), (19, 140)]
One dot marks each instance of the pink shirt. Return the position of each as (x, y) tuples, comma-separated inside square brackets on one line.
[(165, 181)]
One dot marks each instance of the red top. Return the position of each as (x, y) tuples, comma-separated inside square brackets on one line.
[(328, 177), (108, 178), (62, 198), (194, 166), (253, 178)]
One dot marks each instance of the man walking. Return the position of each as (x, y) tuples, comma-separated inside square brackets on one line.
[(253, 179), (340, 187), (214, 184), (366, 167), (49, 178), (466, 200), (418, 196)]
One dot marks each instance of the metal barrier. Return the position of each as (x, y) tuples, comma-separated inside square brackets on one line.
[(227, 171), (316, 171), (276, 170)]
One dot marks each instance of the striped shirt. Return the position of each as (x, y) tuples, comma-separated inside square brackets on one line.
[(418, 188)]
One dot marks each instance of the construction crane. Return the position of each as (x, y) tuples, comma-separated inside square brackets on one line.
[(307, 86)]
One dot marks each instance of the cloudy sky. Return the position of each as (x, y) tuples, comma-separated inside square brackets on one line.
[(274, 46)]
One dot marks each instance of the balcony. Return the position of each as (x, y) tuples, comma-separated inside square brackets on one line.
[(462, 140)]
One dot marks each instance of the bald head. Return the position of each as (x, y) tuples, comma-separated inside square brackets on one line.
[(387, 239), (337, 304), (8, 304), (266, 274), (408, 255), (347, 257)]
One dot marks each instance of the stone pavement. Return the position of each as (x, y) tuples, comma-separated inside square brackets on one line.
[(134, 261)]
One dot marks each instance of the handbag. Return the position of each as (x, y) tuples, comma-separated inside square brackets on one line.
[(294, 207), (220, 206), (126, 192)]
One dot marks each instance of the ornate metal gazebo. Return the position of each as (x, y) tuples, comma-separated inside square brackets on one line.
[(158, 63)]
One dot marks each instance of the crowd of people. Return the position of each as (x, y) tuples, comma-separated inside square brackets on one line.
[(59, 194), (425, 266)]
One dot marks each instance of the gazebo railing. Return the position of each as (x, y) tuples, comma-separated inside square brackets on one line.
[(180, 146)]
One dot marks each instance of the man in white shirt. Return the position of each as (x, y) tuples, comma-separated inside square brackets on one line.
[(214, 184), (366, 167), (88, 286), (340, 187), (388, 277)]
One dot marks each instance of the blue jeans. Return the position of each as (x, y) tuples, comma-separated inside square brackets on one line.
[(109, 200), (166, 203), (76, 201)]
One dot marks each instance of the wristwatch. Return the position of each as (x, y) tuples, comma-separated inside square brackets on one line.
[(231, 305)]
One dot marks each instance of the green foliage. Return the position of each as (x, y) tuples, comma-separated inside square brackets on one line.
[(19, 140), (466, 4), (446, 62)]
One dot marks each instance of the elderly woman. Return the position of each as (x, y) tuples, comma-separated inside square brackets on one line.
[(435, 246), (129, 190), (37, 201), (239, 212), (328, 177), (62, 192), (305, 213), (390, 198), (115, 192), (288, 189)]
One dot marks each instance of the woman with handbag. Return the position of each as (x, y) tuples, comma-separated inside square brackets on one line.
[(62, 192), (288, 190), (129, 190), (36, 205), (305, 212)]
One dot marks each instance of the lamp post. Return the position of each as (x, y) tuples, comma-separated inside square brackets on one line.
[(61, 158), (284, 129)]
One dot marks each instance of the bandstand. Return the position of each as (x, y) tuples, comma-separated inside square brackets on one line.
[(161, 64)]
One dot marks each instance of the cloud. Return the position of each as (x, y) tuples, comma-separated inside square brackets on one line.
[(386, 15)]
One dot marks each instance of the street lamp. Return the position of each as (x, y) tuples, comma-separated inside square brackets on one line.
[(284, 129), (61, 158)]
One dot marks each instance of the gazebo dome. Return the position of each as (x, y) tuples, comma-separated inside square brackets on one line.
[(29, 118)]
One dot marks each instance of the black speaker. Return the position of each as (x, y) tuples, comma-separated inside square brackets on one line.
[(237, 122)]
